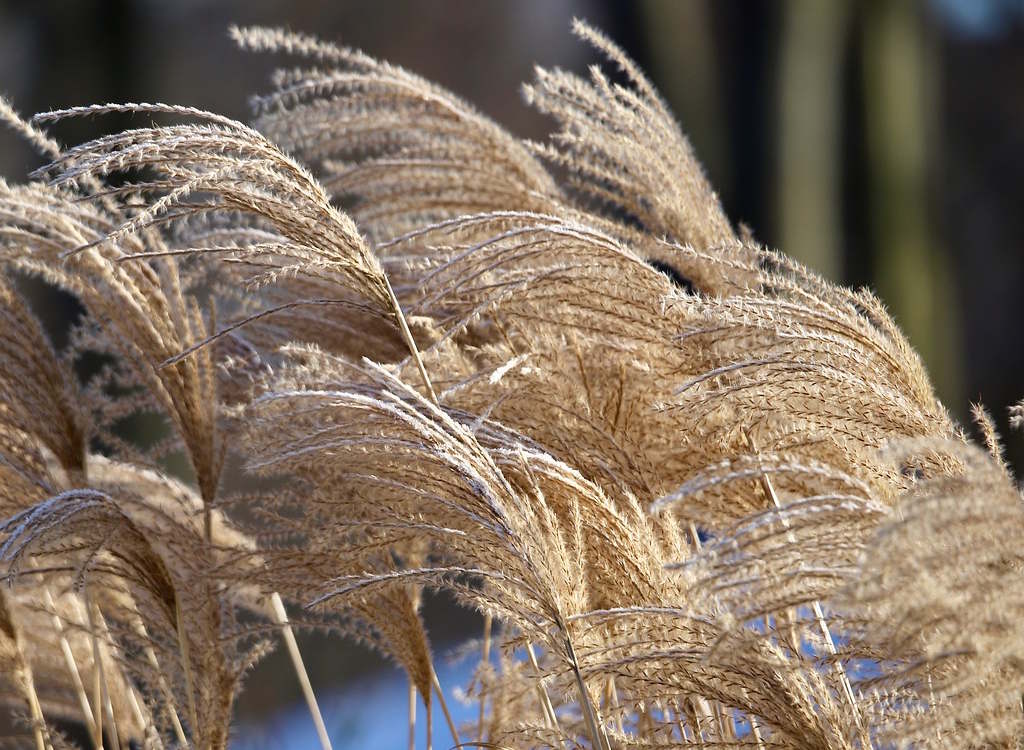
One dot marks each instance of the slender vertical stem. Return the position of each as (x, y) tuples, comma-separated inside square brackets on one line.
[(931, 705), (403, 326), (108, 709), (755, 729), (723, 722), (486, 659), (613, 701), (97, 628), (698, 719), (186, 665), (444, 708), (685, 728), (700, 702), (35, 709), (71, 664), (97, 696), (597, 734), (141, 716), (430, 725), (412, 715), (140, 629), (280, 616), (545, 700), (769, 490), (208, 522), (670, 718)]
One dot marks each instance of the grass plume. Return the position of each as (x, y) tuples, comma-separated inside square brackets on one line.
[(702, 496)]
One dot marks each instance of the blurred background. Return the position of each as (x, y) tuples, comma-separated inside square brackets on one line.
[(880, 142)]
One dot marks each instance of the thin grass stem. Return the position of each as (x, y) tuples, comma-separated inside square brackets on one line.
[(413, 697), (140, 628), (542, 691), (444, 708), (485, 658), (186, 666), (280, 616), (819, 616), (70, 663)]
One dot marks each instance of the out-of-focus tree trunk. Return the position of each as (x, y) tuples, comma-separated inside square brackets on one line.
[(679, 37), (912, 271), (810, 107)]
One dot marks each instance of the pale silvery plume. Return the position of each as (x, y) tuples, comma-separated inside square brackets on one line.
[(703, 497)]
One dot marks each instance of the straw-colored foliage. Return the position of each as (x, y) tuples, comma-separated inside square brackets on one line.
[(702, 497)]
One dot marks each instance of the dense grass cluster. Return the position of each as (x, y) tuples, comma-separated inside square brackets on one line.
[(701, 496)]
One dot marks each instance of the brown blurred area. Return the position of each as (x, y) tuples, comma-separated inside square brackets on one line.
[(881, 142)]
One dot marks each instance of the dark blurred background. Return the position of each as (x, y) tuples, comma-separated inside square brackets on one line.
[(879, 142)]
